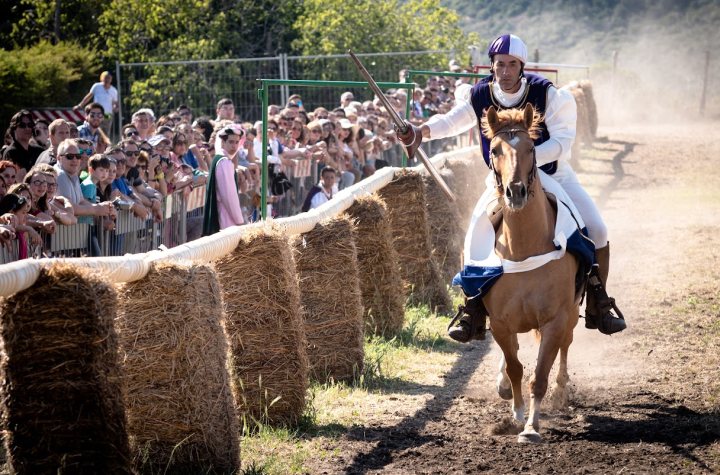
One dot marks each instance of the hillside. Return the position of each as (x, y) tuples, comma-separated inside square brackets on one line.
[(661, 45)]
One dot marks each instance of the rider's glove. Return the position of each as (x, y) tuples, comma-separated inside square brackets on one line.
[(412, 138)]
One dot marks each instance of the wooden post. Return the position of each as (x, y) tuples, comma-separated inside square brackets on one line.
[(705, 81)]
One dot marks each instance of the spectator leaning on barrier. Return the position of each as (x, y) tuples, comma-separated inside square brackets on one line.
[(68, 168), (17, 207), (59, 131), (21, 152), (222, 203), (59, 208), (41, 216), (89, 130)]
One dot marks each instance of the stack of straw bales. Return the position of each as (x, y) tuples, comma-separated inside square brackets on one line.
[(446, 235), (590, 106), (380, 283), (469, 184), (62, 403), (265, 327), (181, 412), (326, 261), (405, 199)]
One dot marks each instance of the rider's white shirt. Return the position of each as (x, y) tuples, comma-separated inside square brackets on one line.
[(560, 119)]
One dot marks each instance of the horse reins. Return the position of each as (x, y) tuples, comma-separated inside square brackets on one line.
[(533, 171)]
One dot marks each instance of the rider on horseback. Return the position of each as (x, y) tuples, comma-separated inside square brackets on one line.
[(509, 86)]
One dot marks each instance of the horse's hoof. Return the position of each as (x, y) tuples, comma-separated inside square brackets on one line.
[(529, 437), (505, 393)]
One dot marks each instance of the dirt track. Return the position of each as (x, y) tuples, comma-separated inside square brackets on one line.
[(644, 401)]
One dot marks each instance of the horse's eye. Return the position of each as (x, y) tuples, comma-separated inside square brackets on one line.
[(495, 152)]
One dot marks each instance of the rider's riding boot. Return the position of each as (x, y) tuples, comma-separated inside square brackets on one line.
[(471, 319), (599, 307)]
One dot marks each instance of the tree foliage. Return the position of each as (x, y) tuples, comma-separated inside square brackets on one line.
[(44, 75), (334, 26), (27, 22)]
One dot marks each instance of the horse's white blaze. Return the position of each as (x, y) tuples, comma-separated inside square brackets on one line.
[(514, 141)]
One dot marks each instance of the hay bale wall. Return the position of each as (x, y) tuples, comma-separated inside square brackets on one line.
[(380, 284), (326, 262), (181, 411), (62, 404), (265, 328), (446, 235), (591, 107), (469, 184), (405, 200)]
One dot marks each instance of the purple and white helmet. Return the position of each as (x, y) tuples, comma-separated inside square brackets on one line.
[(509, 44)]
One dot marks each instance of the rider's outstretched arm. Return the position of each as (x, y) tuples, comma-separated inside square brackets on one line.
[(459, 119)]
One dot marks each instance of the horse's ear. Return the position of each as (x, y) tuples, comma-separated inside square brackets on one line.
[(492, 117), (528, 115)]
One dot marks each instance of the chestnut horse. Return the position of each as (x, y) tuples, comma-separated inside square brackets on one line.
[(543, 299)]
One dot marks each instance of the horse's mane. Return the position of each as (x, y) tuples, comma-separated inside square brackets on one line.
[(512, 117)]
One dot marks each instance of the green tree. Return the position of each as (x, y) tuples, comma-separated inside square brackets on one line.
[(137, 30), (44, 75), (334, 26), (28, 22)]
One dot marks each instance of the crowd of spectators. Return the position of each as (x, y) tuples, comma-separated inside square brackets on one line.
[(60, 173)]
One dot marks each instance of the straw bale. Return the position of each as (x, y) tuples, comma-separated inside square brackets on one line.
[(62, 403), (591, 107), (326, 262), (265, 328), (446, 235), (382, 290), (469, 184), (181, 411), (405, 199)]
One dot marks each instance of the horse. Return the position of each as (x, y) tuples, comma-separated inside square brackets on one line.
[(544, 299)]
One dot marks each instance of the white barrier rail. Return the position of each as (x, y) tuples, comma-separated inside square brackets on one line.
[(20, 275)]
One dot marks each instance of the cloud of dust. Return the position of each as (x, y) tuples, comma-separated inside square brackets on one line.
[(659, 63)]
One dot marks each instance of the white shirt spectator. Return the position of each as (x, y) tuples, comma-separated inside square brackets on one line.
[(104, 97)]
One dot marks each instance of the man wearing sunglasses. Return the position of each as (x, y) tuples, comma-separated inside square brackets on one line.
[(68, 182), (105, 94), (21, 152), (94, 114)]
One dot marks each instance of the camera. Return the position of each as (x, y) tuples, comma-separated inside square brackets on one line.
[(121, 204)]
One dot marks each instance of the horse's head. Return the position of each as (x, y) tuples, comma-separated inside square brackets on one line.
[(512, 152)]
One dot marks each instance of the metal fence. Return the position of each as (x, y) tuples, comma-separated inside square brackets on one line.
[(181, 222), (163, 86)]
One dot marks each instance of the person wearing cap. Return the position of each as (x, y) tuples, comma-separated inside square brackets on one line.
[(509, 86), (346, 98), (105, 94), (222, 201)]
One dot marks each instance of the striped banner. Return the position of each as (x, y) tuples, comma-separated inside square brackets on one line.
[(66, 113)]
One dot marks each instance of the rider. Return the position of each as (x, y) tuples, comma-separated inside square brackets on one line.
[(509, 86)]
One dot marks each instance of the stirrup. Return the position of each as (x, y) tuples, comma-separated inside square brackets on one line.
[(603, 320)]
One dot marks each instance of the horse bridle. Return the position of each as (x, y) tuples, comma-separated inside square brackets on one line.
[(533, 170)]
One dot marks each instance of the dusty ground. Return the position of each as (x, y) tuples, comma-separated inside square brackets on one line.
[(644, 401)]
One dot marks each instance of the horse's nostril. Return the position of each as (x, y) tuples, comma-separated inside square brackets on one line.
[(523, 191), (508, 192)]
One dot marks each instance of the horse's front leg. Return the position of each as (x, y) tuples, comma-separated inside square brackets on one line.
[(509, 379), (551, 338), (560, 393)]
